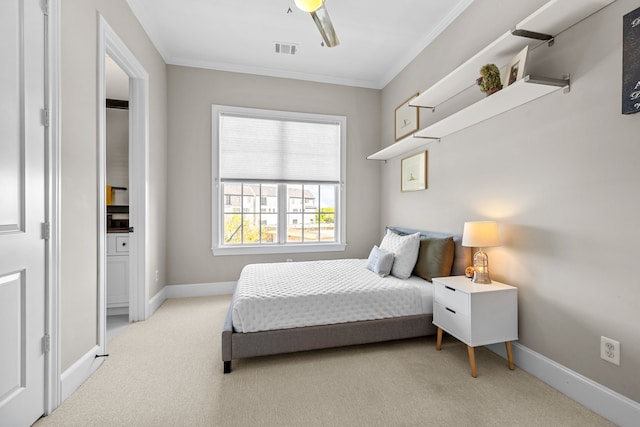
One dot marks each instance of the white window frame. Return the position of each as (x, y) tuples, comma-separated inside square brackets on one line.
[(217, 246)]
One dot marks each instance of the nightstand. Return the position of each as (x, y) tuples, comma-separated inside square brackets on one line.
[(476, 314)]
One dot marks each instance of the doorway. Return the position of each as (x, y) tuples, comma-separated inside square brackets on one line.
[(117, 197), (130, 243)]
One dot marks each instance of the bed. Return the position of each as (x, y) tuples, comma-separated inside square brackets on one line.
[(293, 323)]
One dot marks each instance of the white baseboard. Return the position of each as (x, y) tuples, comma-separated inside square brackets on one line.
[(156, 301), (186, 291), (117, 311), (200, 290), (605, 402), (79, 372)]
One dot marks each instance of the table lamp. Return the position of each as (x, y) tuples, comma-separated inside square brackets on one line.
[(480, 234)]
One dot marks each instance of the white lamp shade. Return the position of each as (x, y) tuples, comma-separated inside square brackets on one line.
[(480, 234), (309, 5)]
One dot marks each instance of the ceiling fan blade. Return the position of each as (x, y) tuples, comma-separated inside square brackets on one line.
[(323, 22)]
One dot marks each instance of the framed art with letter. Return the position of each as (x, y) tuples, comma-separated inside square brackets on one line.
[(631, 62)]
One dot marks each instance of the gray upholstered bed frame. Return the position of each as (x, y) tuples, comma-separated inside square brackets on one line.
[(236, 345)]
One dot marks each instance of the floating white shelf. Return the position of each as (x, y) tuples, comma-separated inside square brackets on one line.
[(524, 90), (552, 19), (405, 145)]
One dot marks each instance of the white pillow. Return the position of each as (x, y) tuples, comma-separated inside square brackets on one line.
[(380, 261), (405, 250)]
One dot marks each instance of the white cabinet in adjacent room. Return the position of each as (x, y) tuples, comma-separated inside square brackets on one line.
[(117, 273)]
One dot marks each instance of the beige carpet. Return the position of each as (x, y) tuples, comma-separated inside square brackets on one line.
[(167, 372)]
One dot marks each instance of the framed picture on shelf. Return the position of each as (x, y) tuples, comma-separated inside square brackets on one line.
[(407, 119), (413, 172), (515, 67)]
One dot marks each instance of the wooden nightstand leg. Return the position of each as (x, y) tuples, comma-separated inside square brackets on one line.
[(439, 340), (510, 355), (472, 361)]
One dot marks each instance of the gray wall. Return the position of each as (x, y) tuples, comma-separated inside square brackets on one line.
[(561, 176), (192, 91), (78, 269)]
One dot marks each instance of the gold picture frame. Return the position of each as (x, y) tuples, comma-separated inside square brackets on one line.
[(516, 67), (407, 119), (413, 172)]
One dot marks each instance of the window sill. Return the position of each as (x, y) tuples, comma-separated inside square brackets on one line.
[(278, 249)]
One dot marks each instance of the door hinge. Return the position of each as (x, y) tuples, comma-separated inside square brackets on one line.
[(46, 343), (46, 230), (45, 7), (45, 117)]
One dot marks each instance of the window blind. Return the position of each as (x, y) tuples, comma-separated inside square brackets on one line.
[(275, 149)]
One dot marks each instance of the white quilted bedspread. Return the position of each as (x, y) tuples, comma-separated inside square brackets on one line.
[(295, 294)]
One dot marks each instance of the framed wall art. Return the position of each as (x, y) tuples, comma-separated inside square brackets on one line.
[(413, 172), (631, 62), (407, 119)]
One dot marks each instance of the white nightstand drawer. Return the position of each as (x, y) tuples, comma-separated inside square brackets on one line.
[(448, 296), (455, 323)]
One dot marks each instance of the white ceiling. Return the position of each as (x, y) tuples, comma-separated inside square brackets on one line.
[(378, 38)]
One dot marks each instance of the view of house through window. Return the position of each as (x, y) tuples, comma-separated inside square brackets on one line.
[(251, 213), (279, 177)]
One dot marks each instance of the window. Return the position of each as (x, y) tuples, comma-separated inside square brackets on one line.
[(278, 181)]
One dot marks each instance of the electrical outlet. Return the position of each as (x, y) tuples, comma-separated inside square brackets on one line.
[(610, 350), (157, 276), (289, 260)]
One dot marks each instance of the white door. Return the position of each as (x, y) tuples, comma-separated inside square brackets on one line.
[(22, 212)]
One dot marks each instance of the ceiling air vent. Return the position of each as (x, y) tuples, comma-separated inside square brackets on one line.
[(286, 48)]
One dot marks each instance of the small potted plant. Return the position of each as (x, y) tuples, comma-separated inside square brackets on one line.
[(489, 80)]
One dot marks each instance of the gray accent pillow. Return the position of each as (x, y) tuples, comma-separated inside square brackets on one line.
[(380, 261), (435, 257), (405, 250)]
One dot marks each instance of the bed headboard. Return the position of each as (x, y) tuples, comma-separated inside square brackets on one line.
[(461, 255)]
